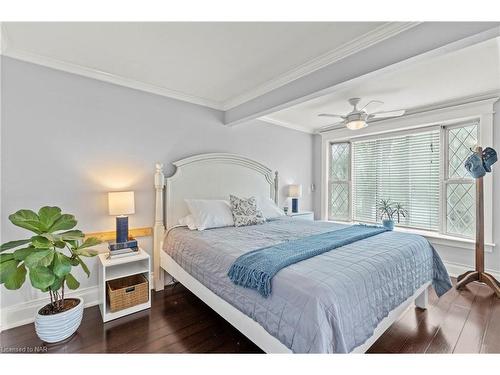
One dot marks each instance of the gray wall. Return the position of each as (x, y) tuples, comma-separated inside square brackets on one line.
[(66, 140)]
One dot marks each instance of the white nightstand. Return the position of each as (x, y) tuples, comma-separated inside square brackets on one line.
[(111, 269), (302, 215)]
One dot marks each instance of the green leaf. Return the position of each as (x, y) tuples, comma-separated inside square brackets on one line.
[(64, 222), (48, 216), (71, 282), (72, 243), (27, 219), (21, 254), (16, 279), (60, 244), (39, 258), (74, 262), (61, 266), (40, 242), (89, 242), (6, 269), (6, 257), (54, 239), (82, 249), (71, 235), (41, 277), (57, 284), (84, 266), (13, 244), (85, 252)]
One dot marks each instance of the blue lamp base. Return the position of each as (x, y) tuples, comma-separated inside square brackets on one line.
[(121, 229), (295, 205)]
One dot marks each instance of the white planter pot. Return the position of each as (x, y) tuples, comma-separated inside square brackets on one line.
[(57, 327)]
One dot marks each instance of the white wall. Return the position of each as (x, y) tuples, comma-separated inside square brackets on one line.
[(66, 140)]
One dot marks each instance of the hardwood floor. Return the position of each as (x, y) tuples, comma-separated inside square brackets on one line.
[(178, 322)]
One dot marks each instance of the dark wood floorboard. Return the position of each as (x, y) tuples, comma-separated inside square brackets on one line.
[(466, 321)]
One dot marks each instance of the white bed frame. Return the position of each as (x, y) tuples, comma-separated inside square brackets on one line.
[(215, 176)]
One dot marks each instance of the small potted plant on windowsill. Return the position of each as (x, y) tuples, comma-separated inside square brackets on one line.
[(48, 257), (388, 210), (399, 211)]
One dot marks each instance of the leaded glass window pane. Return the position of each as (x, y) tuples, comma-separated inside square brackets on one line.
[(461, 206), (338, 187), (339, 201), (460, 142), (339, 165)]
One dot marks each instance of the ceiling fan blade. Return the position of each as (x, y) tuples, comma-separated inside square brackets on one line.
[(331, 115), (387, 114), (371, 105)]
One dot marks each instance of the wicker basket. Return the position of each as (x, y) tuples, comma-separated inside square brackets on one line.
[(127, 292)]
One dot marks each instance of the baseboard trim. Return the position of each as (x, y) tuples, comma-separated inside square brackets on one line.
[(456, 269)]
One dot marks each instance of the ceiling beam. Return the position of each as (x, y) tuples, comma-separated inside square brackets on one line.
[(412, 45)]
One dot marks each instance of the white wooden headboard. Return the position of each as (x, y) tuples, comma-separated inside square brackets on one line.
[(205, 176)]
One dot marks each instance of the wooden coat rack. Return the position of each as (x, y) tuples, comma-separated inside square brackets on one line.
[(478, 274)]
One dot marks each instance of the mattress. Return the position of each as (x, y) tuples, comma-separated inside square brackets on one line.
[(330, 303)]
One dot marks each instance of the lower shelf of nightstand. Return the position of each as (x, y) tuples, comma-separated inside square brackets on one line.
[(107, 316)]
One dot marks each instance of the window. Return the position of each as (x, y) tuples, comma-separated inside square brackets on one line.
[(406, 168), (339, 187), (459, 186)]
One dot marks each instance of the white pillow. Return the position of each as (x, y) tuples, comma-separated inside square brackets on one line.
[(269, 209), (188, 221), (210, 213)]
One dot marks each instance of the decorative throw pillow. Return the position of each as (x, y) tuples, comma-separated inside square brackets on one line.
[(245, 211)]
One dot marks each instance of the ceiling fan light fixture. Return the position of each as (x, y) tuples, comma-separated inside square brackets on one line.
[(356, 124)]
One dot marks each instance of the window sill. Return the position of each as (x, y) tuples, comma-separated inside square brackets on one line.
[(438, 239)]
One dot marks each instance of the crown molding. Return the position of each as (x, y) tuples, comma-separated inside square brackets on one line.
[(367, 40), (371, 38), (104, 76)]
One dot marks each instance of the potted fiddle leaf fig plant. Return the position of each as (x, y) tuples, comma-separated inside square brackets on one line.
[(48, 258)]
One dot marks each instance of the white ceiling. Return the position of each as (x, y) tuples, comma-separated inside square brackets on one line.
[(465, 73), (215, 64)]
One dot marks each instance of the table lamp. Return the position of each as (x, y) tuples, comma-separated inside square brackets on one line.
[(120, 204), (295, 192)]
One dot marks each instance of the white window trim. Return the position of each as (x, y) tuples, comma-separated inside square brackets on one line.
[(481, 109)]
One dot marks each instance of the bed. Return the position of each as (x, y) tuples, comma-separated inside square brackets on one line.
[(337, 302)]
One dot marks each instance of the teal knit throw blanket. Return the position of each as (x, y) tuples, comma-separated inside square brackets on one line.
[(256, 268)]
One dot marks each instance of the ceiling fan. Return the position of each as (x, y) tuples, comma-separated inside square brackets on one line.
[(359, 118)]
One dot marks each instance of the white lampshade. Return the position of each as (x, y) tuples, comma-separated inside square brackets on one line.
[(294, 191), (121, 202)]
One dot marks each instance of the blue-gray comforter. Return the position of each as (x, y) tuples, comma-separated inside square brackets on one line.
[(328, 303)]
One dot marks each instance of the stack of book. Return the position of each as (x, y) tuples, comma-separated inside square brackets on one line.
[(122, 249)]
